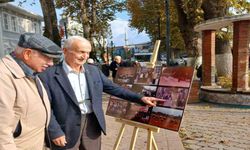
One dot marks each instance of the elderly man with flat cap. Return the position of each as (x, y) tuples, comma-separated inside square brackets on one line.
[(24, 104)]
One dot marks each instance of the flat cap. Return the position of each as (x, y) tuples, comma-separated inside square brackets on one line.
[(40, 43)]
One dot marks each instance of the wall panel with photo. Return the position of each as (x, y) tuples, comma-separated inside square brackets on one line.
[(172, 84)]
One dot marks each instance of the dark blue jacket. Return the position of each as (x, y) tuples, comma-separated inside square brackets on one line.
[(66, 114)]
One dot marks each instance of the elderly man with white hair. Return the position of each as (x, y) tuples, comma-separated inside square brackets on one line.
[(116, 64), (75, 91)]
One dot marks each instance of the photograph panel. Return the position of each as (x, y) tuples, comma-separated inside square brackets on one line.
[(174, 97), (125, 75), (117, 107), (166, 118), (149, 76), (120, 108), (176, 76), (137, 113)]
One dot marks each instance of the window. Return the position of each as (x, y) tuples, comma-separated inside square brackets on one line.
[(35, 27), (14, 23), (29, 25), (6, 21), (21, 25)]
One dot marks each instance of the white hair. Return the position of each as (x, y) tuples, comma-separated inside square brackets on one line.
[(117, 57), (19, 50), (68, 43), (90, 61)]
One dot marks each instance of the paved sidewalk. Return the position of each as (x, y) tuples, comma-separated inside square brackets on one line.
[(166, 140), (208, 126)]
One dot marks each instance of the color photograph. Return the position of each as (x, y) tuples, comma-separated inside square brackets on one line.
[(175, 97), (176, 76), (166, 118)]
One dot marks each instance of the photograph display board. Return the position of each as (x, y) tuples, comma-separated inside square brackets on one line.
[(172, 84)]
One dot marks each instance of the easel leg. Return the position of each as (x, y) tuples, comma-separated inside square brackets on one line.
[(118, 140), (149, 143), (154, 143), (133, 139)]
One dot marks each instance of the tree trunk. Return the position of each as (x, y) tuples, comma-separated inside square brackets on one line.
[(50, 20), (85, 19), (93, 23), (186, 26)]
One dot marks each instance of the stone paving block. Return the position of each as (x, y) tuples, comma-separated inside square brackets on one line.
[(244, 146), (193, 147), (234, 148), (208, 148)]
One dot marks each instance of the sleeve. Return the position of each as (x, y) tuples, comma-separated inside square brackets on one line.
[(118, 91), (7, 123), (54, 128)]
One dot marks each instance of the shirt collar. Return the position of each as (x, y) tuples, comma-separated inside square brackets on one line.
[(68, 69), (26, 69)]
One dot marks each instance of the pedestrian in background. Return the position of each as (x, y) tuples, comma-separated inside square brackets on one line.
[(24, 104), (199, 72), (105, 64), (118, 62)]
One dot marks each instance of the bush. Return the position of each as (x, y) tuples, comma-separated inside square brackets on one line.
[(225, 82)]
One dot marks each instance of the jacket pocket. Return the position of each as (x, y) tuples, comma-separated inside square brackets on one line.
[(18, 130)]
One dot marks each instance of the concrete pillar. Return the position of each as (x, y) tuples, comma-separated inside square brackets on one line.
[(208, 57), (241, 32)]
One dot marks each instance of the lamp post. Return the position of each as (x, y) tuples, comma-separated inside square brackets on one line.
[(159, 26), (168, 32)]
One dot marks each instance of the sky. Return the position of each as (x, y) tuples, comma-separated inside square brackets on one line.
[(119, 26)]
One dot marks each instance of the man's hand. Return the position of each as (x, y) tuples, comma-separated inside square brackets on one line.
[(60, 141), (151, 101)]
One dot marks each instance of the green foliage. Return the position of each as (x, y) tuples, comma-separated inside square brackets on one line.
[(150, 16), (192, 9), (94, 15), (240, 6), (225, 82)]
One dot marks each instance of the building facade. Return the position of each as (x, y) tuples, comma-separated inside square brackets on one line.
[(15, 20)]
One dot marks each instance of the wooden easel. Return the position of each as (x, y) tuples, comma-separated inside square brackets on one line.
[(136, 125), (153, 58)]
